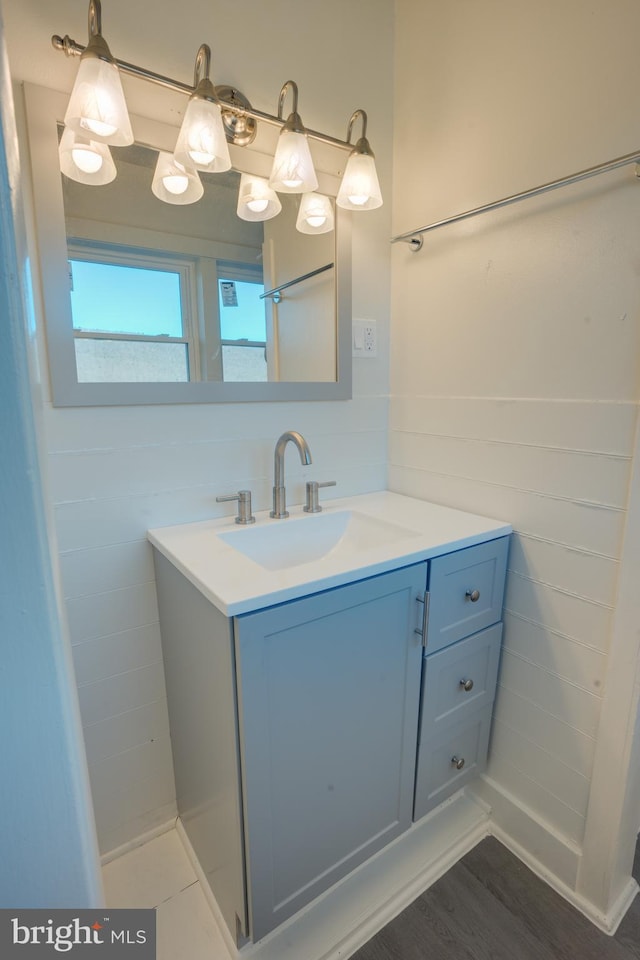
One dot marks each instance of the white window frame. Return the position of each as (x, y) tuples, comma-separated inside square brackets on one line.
[(125, 256)]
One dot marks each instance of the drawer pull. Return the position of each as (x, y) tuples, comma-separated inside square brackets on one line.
[(473, 595), (458, 763), (466, 685)]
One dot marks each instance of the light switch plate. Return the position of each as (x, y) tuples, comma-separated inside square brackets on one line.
[(364, 338)]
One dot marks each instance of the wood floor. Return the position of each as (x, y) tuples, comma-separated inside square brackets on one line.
[(489, 906)]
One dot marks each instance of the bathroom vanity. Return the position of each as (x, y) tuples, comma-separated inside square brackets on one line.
[(330, 681)]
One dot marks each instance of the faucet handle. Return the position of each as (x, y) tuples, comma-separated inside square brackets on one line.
[(244, 505), (312, 505)]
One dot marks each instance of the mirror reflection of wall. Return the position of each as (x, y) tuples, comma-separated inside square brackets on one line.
[(303, 343), (172, 293)]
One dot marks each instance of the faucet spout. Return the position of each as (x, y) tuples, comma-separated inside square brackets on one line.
[(280, 511)]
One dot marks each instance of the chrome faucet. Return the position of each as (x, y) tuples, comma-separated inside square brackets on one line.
[(280, 511)]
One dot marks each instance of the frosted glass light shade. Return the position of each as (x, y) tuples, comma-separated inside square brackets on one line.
[(85, 160), (292, 170), (315, 214), (174, 182), (256, 199), (97, 107), (359, 189), (201, 141)]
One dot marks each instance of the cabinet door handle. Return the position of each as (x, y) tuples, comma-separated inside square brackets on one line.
[(473, 595), (466, 685), (458, 762), (422, 630)]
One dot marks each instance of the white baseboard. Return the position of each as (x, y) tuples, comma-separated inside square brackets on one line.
[(206, 889), (616, 914), (607, 922), (344, 918), (511, 819), (558, 859), (138, 841)]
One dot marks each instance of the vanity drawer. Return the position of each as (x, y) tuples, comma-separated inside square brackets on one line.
[(460, 680), (439, 774), (466, 590)]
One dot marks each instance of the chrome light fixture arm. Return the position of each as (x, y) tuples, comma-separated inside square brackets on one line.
[(293, 121), (203, 88), (359, 189), (362, 146), (202, 67), (239, 127), (97, 46), (289, 85)]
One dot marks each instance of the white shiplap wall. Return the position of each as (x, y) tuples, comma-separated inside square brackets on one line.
[(567, 507), (115, 472), (515, 359)]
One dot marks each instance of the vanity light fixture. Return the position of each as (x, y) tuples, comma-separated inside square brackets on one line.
[(202, 141), (85, 160), (292, 170), (175, 182), (359, 189), (315, 214), (214, 116), (256, 199), (97, 106)]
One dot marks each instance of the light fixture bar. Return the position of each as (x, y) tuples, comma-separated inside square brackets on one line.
[(414, 237), (313, 134), (74, 49)]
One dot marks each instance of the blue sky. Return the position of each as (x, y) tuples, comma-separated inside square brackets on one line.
[(111, 298)]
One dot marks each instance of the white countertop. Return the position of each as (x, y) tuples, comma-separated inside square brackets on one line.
[(236, 584)]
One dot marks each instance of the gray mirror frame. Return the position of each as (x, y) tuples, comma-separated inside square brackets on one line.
[(44, 108)]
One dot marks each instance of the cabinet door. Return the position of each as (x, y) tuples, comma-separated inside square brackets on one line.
[(329, 689)]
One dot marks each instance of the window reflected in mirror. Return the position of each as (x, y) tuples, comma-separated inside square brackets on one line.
[(130, 316), (165, 293), (133, 314)]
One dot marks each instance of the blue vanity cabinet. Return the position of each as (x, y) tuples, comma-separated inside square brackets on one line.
[(296, 728), (328, 695), (460, 669)]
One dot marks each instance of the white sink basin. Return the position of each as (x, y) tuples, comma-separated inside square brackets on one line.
[(289, 543), (241, 569)]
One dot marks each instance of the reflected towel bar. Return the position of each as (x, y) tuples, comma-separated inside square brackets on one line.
[(275, 293)]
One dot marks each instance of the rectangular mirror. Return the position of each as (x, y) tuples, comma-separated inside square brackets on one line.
[(149, 302)]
